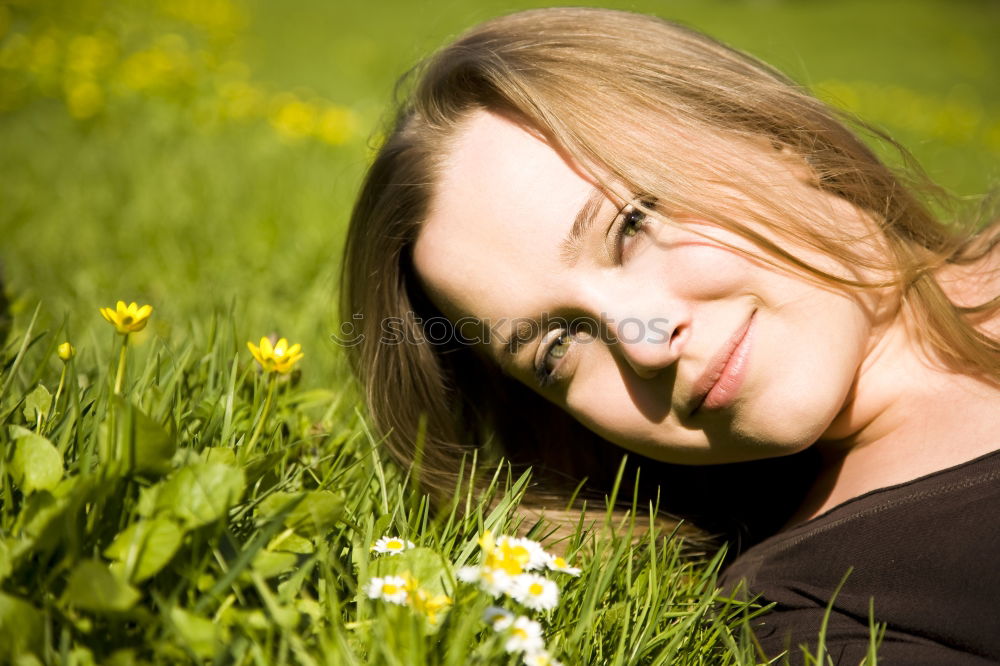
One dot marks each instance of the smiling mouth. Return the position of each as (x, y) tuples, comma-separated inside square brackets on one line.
[(723, 364)]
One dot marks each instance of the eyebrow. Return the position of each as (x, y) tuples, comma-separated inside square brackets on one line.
[(569, 252), (572, 245), (520, 335)]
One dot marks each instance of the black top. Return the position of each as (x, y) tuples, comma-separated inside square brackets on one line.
[(927, 551)]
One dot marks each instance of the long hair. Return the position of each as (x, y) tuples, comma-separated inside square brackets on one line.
[(643, 105)]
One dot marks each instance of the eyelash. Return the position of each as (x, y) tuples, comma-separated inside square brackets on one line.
[(543, 376), (622, 224), (546, 377)]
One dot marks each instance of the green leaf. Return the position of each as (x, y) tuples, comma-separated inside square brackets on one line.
[(200, 635), (93, 587), (290, 542), (37, 514), (21, 627), (145, 547), (80, 656), (199, 494), (6, 565), (37, 464), (147, 500), (309, 607), (153, 446), (141, 444), (269, 564), (429, 568), (272, 505), (16, 431), (123, 657), (219, 454), (424, 564), (48, 520), (37, 402), (314, 515)]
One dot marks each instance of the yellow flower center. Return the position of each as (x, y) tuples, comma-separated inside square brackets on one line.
[(509, 559), (126, 320), (535, 589), (394, 545), (519, 633), (389, 588), (560, 563)]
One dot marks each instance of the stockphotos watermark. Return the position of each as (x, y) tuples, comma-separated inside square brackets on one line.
[(470, 331)]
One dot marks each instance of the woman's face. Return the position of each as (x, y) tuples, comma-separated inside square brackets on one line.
[(626, 320)]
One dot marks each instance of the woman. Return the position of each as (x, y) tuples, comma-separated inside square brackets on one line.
[(610, 217)]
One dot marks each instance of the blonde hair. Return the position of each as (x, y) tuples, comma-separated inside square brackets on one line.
[(646, 106)]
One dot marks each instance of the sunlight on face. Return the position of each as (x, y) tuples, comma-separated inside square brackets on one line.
[(626, 319)]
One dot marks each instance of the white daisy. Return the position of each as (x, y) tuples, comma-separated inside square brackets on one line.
[(540, 658), (392, 545), (534, 591), (492, 581), (524, 635), (498, 618), (468, 574), (390, 588), (557, 563)]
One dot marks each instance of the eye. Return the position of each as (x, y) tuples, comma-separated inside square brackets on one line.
[(550, 356), (631, 222)]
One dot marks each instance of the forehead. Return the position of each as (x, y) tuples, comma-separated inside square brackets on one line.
[(489, 247)]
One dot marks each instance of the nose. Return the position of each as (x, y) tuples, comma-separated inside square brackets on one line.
[(648, 345)]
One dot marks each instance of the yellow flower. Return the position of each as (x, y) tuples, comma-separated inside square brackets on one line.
[(511, 555), (128, 319), (84, 99), (279, 358), (336, 125), (65, 351), (557, 563), (424, 602)]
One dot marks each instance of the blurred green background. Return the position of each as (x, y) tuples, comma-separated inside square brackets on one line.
[(201, 155)]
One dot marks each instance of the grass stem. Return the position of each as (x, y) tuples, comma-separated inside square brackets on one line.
[(122, 356), (272, 380)]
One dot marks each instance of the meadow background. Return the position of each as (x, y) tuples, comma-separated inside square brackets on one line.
[(201, 156)]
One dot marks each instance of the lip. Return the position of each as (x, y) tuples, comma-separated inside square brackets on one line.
[(729, 364)]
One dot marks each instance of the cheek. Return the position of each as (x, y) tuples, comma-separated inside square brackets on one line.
[(711, 271), (702, 245), (635, 415), (698, 267), (806, 366), (599, 398)]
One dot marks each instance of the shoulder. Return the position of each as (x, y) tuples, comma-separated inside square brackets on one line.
[(935, 537)]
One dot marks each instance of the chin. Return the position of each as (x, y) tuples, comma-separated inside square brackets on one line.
[(785, 431), (732, 449)]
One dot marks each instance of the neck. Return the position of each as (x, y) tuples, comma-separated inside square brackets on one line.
[(904, 417)]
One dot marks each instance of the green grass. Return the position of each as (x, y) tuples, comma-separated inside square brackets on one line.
[(200, 177), (149, 527)]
